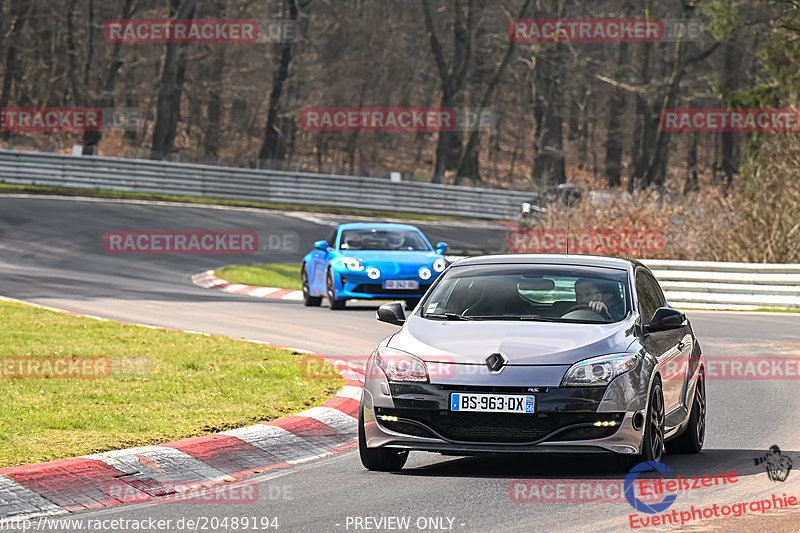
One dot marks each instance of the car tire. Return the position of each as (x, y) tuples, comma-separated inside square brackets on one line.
[(691, 440), (653, 440), (378, 459), (308, 300), (411, 303), (331, 289)]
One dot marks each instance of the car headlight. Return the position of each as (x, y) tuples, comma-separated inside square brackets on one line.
[(599, 370), (373, 273), (425, 273), (352, 264), (439, 265), (401, 366)]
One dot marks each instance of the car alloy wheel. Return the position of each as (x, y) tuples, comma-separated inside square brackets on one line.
[(655, 425), (691, 440), (700, 406), (331, 286), (653, 439), (308, 300)]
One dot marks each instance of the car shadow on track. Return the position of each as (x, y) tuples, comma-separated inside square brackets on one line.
[(747, 462)]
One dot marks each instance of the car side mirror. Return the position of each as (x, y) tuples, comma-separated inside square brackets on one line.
[(321, 245), (392, 313), (665, 319), (441, 247)]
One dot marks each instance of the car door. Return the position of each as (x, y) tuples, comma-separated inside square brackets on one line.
[(319, 267), (669, 347)]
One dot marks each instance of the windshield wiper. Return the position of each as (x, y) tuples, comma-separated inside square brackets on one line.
[(448, 316)]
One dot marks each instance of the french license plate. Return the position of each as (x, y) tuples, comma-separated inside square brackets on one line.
[(492, 403), (406, 284)]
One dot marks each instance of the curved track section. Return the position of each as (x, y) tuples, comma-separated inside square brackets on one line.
[(51, 253)]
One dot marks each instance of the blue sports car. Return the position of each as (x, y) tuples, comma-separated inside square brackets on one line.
[(371, 261)]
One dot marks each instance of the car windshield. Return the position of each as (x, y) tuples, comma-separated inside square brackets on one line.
[(383, 239), (530, 292)]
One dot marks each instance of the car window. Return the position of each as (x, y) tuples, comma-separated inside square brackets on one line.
[(546, 292), (332, 238), (377, 239), (649, 296)]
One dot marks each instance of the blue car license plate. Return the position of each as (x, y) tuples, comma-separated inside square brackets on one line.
[(406, 284), (492, 403)]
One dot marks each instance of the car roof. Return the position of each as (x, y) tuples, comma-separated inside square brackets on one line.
[(377, 225), (551, 259)]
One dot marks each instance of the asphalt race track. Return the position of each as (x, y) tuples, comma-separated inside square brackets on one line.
[(51, 253)]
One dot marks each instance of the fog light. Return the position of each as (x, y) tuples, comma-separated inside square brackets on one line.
[(387, 418)]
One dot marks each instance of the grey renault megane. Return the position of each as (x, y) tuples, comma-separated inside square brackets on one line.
[(535, 353)]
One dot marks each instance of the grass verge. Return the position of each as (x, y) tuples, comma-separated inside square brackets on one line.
[(282, 276), (100, 193), (165, 385)]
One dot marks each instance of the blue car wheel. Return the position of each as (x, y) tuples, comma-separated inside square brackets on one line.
[(331, 286), (308, 300)]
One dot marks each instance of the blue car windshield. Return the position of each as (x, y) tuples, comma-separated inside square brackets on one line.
[(530, 292), (382, 239)]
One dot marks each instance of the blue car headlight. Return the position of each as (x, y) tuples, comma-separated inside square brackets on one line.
[(599, 370), (439, 265), (373, 273), (352, 264), (424, 273)]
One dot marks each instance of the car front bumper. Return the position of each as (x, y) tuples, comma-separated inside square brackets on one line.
[(564, 418), (358, 285)]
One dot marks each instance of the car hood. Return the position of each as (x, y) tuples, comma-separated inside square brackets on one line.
[(523, 343), (406, 257)]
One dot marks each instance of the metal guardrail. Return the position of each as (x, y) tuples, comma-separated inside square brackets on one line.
[(139, 175), (717, 285)]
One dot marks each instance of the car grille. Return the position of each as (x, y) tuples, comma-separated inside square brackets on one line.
[(377, 288), (585, 433), (499, 427)]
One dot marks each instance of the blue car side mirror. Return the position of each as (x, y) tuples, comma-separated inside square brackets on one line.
[(321, 245), (441, 247)]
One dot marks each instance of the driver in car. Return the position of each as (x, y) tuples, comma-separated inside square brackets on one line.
[(587, 292)]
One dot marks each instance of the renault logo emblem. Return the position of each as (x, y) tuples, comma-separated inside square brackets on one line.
[(496, 362)]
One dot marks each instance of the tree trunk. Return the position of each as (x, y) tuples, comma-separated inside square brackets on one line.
[(274, 145), (691, 185), (548, 163), (171, 87), (468, 159), (730, 72), (91, 139), (451, 76), (614, 134), (19, 13)]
